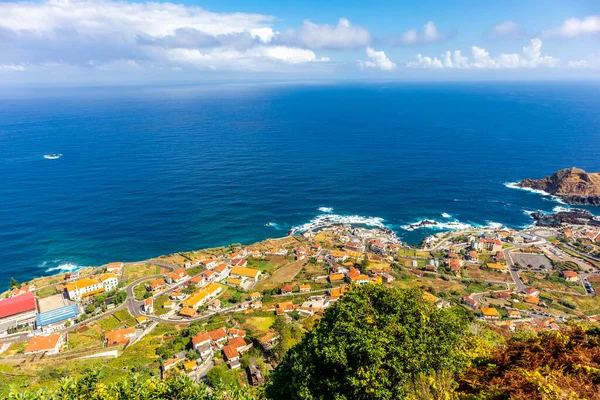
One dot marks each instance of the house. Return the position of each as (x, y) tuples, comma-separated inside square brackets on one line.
[(286, 289), (514, 314), (455, 265), (234, 281), (431, 268), (304, 288), (268, 340), (502, 294), (50, 344), (22, 290), (354, 276), (339, 255), (202, 344), (336, 293), (190, 366), (238, 343), (238, 262), (208, 264), (570, 276), (119, 337), (532, 300), (171, 362), (497, 267), (188, 312), (336, 278), (245, 273), (256, 375), (169, 304), (198, 280), (156, 284), (114, 267), (177, 295), (237, 333), (472, 256), (286, 306), (214, 305), (387, 278), (255, 296), (201, 296), (232, 356), (149, 305), (499, 257), (490, 313), (529, 291), (471, 302), (200, 339), (209, 275), (177, 276), (439, 303), (221, 271), (218, 336)]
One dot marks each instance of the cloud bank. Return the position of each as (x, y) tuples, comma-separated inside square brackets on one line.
[(530, 57), (106, 33)]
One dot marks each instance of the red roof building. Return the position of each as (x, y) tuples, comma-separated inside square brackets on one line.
[(17, 305)]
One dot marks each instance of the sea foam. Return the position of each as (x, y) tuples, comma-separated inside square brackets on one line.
[(328, 219), (66, 267), (326, 209)]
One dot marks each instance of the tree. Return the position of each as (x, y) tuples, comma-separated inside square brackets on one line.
[(370, 345), (14, 283), (365, 261)]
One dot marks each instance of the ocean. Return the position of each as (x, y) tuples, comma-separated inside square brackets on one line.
[(147, 171)]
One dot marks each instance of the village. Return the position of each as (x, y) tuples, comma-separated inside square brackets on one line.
[(236, 310)]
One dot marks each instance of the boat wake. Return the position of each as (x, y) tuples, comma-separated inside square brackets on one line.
[(52, 156)]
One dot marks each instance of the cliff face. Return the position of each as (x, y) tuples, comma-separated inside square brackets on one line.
[(573, 185)]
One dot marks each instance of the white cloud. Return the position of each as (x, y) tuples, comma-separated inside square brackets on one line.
[(377, 60), (430, 33), (574, 27), (530, 57), (109, 34), (579, 64), (342, 36), (505, 30)]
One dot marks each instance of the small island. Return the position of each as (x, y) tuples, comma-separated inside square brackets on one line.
[(573, 185)]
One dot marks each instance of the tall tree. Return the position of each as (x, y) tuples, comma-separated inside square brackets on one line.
[(370, 345)]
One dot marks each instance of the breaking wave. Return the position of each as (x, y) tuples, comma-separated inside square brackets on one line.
[(66, 267), (446, 215), (548, 196), (432, 224), (329, 219), (326, 209)]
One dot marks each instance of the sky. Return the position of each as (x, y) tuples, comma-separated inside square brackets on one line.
[(75, 42)]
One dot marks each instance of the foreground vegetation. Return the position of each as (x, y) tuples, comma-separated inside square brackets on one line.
[(375, 343)]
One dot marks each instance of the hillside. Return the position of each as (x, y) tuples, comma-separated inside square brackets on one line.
[(573, 185)]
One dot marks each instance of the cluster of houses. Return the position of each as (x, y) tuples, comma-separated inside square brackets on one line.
[(230, 342)]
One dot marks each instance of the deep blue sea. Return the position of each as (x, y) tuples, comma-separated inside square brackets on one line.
[(147, 171)]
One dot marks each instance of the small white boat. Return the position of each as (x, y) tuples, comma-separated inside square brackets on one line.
[(52, 156)]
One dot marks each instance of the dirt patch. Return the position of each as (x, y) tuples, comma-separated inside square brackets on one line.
[(485, 275), (286, 273)]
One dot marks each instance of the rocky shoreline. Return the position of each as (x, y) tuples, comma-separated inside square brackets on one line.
[(574, 217), (573, 185)]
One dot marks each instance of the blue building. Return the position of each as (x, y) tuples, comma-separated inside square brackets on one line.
[(57, 315)]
